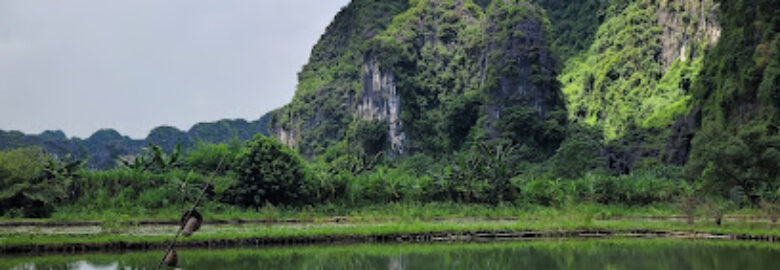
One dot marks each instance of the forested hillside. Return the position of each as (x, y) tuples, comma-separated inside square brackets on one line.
[(615, 84), (102, 149)]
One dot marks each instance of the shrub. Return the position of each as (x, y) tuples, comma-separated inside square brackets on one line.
[(543, 192), (153, 159), (371, 136), (205, 158), (30, 182), (750, 160), (269, 172), (579, 153)]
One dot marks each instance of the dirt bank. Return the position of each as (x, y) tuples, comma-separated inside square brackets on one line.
[(379, 238)]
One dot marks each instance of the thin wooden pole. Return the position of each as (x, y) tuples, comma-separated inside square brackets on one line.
[(189, 213)]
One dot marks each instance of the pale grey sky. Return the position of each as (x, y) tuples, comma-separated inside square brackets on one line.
[(131, 65)]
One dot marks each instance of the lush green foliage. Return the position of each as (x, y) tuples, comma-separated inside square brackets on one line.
[(153, 159), (621, 80), (748, 162), (581, 152), (482, 102), (371, 136), (738, 97), (102, 149), (268, 173), (32, 182), (574, 23), (210, 158), (450, 62)]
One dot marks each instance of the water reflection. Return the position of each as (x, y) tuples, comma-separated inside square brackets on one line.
[(569, 254)]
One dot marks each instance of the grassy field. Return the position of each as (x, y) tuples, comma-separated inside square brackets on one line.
[(402, 211), (398, 219)]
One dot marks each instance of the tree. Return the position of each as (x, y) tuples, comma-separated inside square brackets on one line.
[(31, 182), (483, 174), (206, 158), (579, 153), (371, 136), (268, 172), (153, 159), (750, 159)]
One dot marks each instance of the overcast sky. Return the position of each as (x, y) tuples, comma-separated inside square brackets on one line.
[(132, 65)]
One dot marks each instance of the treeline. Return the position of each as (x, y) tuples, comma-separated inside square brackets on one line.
[(102, 148), (263, 172)]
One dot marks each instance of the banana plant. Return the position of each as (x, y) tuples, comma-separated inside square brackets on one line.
[(64, 174), (186, 189), (153, 159)]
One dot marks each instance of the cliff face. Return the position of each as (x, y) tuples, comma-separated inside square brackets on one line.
[(686, 24), (522, 70), (380, 100), (443, 73), (326, 98)]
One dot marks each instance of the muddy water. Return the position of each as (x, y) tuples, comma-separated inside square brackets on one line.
[(544, 254)]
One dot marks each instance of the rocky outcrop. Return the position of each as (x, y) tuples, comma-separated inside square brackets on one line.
[(521, 55), (521, 72), (442, 70), (287, 136), (380, 100), (325, 100), (686, 24)]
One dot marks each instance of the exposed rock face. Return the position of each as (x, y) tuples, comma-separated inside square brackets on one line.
[(525, 68), (325, 101), (287, 136), (380, 100), (686, 24), (524, 53)]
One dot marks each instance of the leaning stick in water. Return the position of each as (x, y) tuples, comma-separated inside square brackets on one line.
[(189, 213)]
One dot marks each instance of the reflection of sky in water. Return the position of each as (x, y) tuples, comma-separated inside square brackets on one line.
[(78, 265), (82, 265), (85, 265)]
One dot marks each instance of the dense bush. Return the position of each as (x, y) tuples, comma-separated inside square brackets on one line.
[(31, 182), (641, 188), (154, 159), (581, 152), (125, 190), (206, 158), (749, 161), (268, 172), (371, 136)]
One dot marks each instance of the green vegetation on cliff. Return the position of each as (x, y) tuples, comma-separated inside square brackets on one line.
[(503, 102), (331, 79), (737, 98), (442, 74), (625, 80)]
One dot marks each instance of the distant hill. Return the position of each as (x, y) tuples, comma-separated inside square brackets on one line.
[(102, 149)]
